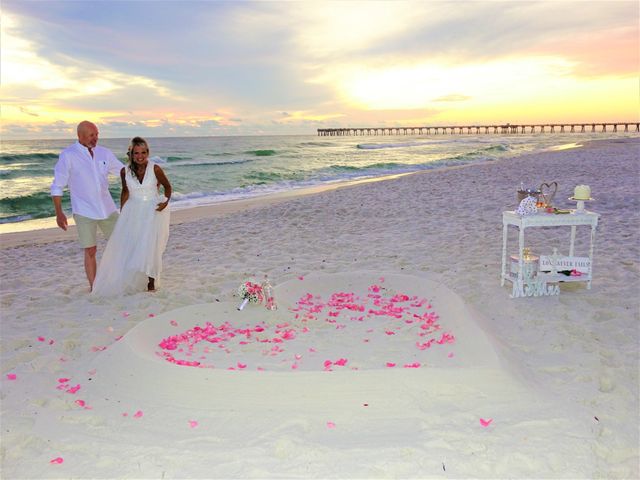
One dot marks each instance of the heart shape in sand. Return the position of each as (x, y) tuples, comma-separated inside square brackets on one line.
[(349, 321), (547, 193)]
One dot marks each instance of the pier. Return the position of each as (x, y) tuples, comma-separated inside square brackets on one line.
[(506, 129)]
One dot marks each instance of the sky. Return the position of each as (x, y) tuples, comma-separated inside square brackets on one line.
[(199, 68)]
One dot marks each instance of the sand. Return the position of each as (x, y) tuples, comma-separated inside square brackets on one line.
[(541, 387)]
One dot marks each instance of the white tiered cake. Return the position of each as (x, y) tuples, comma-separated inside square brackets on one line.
[(582, 192)]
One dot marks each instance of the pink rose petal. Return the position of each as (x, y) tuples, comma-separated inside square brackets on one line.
[(331, 425), (11, 376), (138, 414), (486, 423), (193, 423), (73, 389), (174, 323), (57, 460)]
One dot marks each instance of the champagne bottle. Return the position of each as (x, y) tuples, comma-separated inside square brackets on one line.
[(267, 291)]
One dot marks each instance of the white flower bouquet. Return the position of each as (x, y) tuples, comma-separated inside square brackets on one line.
[(250, 291)]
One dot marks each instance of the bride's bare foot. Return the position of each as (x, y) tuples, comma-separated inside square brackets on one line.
[(151, 286)]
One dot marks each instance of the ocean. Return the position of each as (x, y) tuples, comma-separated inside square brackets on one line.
[(208, 170)]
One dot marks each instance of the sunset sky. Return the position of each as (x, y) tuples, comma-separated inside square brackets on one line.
[(187, 68)]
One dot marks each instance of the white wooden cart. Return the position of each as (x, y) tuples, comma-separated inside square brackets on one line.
[(546, 283)]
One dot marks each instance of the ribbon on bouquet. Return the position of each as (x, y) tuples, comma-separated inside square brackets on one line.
[(249, 291)]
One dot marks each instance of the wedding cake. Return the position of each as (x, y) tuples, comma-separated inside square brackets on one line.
[(582, 192)]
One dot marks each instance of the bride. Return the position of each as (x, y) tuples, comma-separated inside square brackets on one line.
[(133, 256)]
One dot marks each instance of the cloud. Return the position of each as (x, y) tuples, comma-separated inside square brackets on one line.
[(246, 67), (27, 112), (453, 97)]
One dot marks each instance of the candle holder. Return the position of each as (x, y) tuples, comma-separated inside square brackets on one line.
[(530, 264)]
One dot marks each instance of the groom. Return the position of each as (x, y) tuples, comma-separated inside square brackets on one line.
[(85, 167)]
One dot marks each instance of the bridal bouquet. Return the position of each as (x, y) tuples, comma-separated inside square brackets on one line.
[(249, 292)]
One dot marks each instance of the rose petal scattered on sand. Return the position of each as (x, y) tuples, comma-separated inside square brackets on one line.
[(73, 389), (412, 365), (193, 423), (331, 425), (125, 314), (80, 403), (11, 376), (41, 339), (391, 364), (138, 414), (486, 423), (174, 323), (57, 460)]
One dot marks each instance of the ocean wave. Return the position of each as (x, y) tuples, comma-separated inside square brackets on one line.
[(208, 163), (261, 153), (28, 171), (20, 157), (260, 178), (500, 147), (17, 218), (373, 166), (378, 146), (12, 209), (316, 144)]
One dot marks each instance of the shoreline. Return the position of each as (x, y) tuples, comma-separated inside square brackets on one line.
[(45, 230)]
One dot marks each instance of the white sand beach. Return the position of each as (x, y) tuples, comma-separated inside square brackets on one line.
[(455, 380)]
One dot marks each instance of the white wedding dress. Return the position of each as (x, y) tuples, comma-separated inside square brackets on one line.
[(135, 248)]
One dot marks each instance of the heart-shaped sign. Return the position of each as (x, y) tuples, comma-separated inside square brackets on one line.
[(548, 192)]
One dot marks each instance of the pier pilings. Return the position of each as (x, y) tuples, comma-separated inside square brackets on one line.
[(506, 129)]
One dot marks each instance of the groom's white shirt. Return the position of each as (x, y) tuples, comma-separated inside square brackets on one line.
[(87, 178)]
